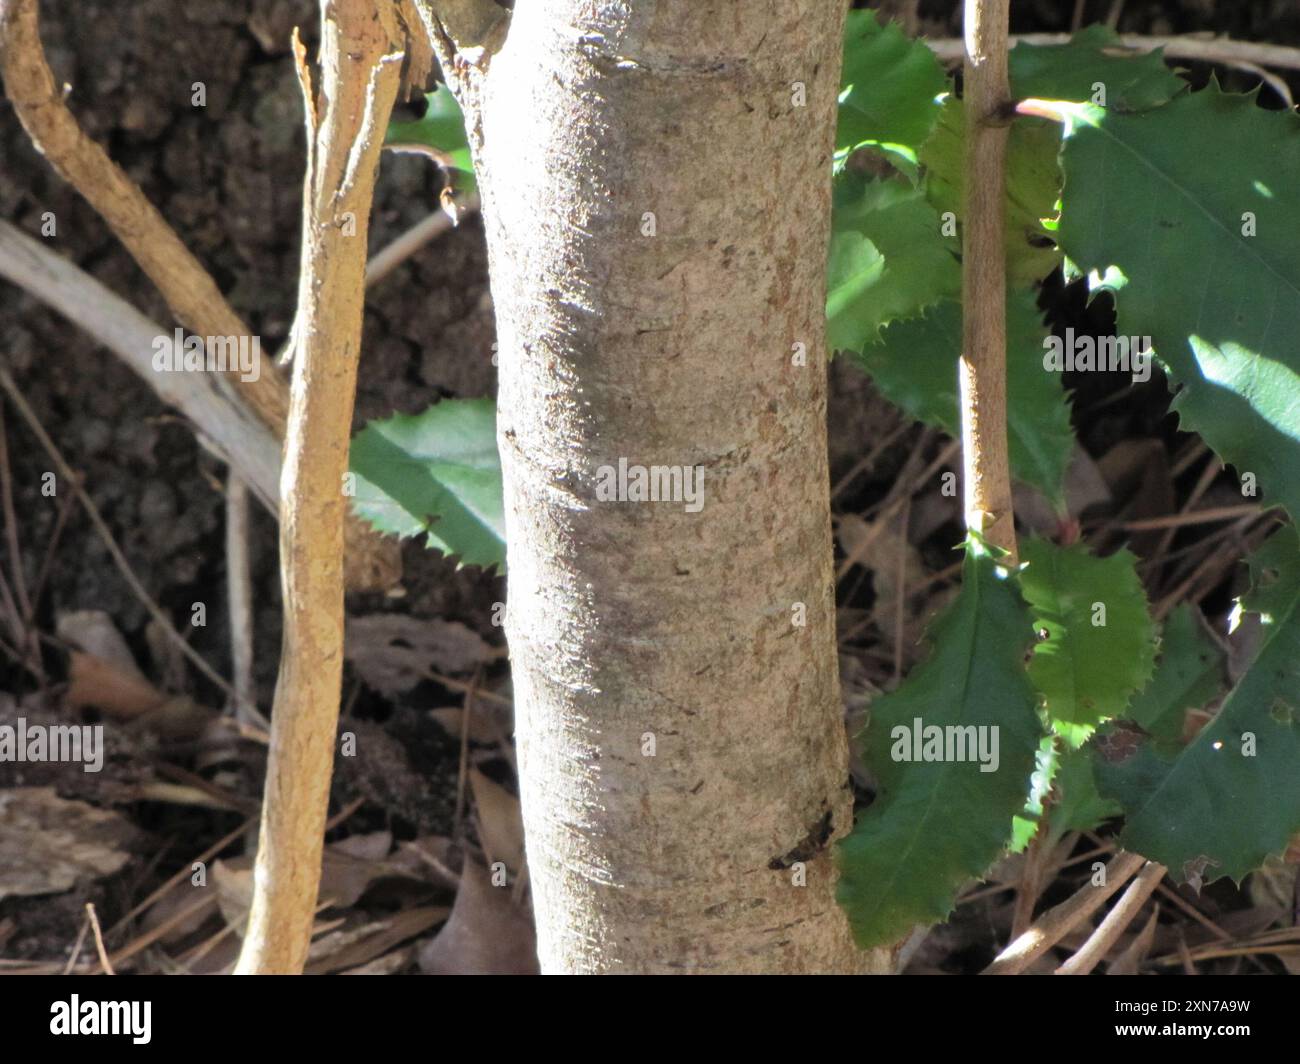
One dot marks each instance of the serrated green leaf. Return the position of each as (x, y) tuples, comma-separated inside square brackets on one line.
[(1188, 674), (935, 824), (888, 259), (436, 473), (1273, 575), (1222, 308), (1072, 71), (1033, 185), (1067, 773), (1100, 640), (1232, 797), (915, 367), (1079, 805), (888, 87), (1024, 825)]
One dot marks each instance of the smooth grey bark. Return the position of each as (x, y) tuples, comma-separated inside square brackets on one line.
[(656, 187)]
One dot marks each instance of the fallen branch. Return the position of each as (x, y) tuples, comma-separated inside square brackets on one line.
[(1059, 921), (1100, 941), (360, 64), (208, 400)]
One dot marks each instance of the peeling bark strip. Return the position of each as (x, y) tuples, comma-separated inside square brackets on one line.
[(656, 185), (360, 64)]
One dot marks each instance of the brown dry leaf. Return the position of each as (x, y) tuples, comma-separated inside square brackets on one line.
[(125, 694), (392, 652), (899, 572), (233, 882), (48, 843), (482, 728), (93, 632), (500, 822), (858, 692), (102, 671), (345, 878), (1273, 885), (179, 720), (1244, 642), (348, 869), (1084, 487), (428, 858), (348, 948), (167, 663), (487, 933), (370, 846), (183, 902), (105, 685), (896, 568), (219, 958), (856, 537), (389, 964), (1137, 473)]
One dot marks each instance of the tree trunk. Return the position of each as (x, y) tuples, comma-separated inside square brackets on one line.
[(656, 186)]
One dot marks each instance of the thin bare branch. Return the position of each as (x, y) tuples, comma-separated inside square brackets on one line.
[(239, 595), (104, 963), (1060, 920), (983, 368), (360, 65), (389, 257), (1197, 48), (1100, 941)]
